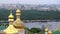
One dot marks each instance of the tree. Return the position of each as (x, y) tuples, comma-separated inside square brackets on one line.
[(35, 30)]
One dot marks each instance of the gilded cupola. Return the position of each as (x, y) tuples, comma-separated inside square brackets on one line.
[(18, 12), (46, 29), (18, 24), (49, 32), (10, 29), (10, 17)]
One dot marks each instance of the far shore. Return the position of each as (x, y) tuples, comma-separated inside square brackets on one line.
[(27, 21)]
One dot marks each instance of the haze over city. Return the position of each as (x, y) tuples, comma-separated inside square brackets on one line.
[(31, 1)]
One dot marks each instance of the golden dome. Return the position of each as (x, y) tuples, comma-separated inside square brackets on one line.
[(46, 29), (10, 20), (50, 32), (11, 30), (18, 12), (10, 16), (18, 24)]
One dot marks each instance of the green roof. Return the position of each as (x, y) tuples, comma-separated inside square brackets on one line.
[(56, 32)]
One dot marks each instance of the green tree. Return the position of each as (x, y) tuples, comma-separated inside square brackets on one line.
[(35, 30)]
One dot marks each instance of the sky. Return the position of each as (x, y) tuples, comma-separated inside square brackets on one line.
[(30, 1)]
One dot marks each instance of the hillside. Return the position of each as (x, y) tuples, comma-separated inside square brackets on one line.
[(32, 14)]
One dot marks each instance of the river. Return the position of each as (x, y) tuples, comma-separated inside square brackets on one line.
[(50, 25)]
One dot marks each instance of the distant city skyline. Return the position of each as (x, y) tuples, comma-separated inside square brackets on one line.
[(30, 1)]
